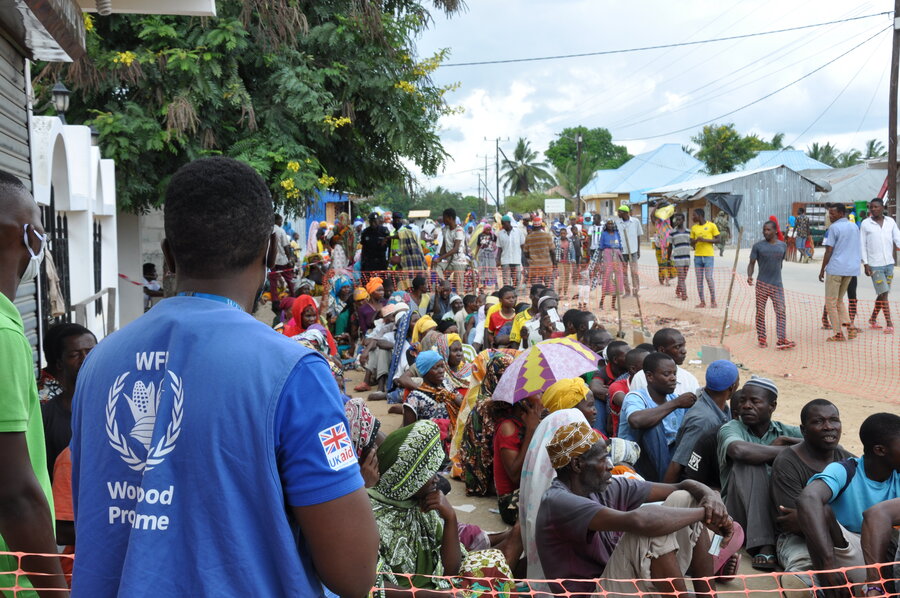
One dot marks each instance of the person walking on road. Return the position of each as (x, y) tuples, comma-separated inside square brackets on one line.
[(704, 235), (801, 227), (878, 235), (841, 264), (509, 251), (770, 253), (630, 230)]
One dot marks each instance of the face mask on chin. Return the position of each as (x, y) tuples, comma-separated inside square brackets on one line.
[(34, 264)]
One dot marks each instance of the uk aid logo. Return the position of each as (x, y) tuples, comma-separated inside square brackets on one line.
[(337, 446)]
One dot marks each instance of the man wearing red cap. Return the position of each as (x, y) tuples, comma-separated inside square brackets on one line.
[(541, 254)]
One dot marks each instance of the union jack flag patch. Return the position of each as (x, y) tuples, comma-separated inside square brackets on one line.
[(337, 446)]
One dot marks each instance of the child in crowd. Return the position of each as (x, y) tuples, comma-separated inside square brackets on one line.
[(634, 361)]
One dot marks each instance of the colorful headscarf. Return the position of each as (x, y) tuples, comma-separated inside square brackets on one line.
[(363, 425), (564, 394), (494, 371), (295, 324), (337, 304), (570, 441), (624, 451), (453, 338), (373, 284), (424, 324), (408, 458), (427, 360), (360, 294)]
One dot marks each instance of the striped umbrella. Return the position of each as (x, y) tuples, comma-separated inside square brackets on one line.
[(539, 367)]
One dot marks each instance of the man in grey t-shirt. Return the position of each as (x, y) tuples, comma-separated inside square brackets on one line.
[(770, 254)]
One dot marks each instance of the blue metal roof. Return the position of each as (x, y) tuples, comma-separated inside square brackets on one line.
[(665, 165), (796, 160)]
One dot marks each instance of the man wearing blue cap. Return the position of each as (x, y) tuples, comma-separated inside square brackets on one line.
[(747, 448), (709, 413)]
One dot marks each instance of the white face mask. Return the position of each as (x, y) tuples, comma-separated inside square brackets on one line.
[(34, 264)]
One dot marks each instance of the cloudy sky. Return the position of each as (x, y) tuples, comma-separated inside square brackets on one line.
[(646, 98)]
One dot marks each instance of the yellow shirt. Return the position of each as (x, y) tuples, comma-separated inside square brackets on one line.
[(704, 231), (515, 336)]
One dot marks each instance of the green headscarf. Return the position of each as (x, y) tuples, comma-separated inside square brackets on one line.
[(410, 539)]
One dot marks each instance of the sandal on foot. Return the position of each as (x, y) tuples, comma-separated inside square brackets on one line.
[(785, 344), (763, 343), (889, 330), (837, 338), (764, 562), (874, 325), (700, 306), (362, 387), (729, 569)]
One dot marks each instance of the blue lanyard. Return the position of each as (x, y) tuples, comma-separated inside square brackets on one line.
[(211, 297)]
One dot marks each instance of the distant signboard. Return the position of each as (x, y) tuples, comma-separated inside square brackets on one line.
[(555, 206), (419, 214)]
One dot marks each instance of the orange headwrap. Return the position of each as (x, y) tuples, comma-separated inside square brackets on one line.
[(373, 284)]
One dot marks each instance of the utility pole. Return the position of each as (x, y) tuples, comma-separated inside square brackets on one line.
[(892, 114), (578, 207), (497, 167)]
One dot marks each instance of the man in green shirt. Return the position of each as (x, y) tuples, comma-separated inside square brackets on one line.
[(26, 502), (747, 447)]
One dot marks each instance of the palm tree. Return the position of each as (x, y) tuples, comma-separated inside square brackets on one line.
[(777, 142), (827, 154), (567, 177), (849, 158), (874, 149), (524, 171)]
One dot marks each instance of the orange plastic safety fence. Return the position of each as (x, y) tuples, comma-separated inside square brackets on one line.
[(856, 580), (864, 364)]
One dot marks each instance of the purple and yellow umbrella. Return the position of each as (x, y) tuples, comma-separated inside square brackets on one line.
[(539, 367)]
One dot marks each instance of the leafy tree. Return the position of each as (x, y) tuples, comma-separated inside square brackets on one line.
[(312, 94), (758, 144), (849, 158), (399, 199), (722, 148), (827, 154), (524, 172), (532, 201), (596, 147), (874, 149)]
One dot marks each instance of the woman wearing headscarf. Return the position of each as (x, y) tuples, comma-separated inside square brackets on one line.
[(306, 314), (537, 474), (477, 445), (458, 373), (366, 436), (368, 310), (479, 368), (399, 356), (340, 308), (432, 400), (780, 234), (424, 324), (345, 235), (487, 256), (571, 393)]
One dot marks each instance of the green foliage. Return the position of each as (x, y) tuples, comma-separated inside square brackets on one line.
[(722, 148), (874, 149), (596, 147), (524, 172), (397, 199), (313, 95), (533, 201)]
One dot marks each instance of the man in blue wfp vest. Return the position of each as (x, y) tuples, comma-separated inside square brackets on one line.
[(210, 454)]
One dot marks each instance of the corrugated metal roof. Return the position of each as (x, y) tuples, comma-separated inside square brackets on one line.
[(855, 183), (796, 160), (665, 165), (692, 186)]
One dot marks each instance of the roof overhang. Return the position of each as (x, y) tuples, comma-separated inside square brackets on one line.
[(51, 30), (600, 196), (196, 8)]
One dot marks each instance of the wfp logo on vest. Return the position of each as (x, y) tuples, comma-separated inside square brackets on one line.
[(144, 403)]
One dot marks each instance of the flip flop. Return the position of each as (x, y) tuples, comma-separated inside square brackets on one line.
[(729, 569), (769, 562), (362, 387)]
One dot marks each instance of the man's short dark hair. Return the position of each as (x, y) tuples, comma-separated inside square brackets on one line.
[(801, 210), (877, 200), (804, 412), (635, 357), (56, 337), (570, 317), (582, 318), (450, 213), (649, 348), (218, 216), (879, 428), (505, 290), (663, 337), (148, 268), (615, 349), (469, 300), (700, 211), (279, 219), (536, 289), (419, 282), (654, 361), (839, 208)]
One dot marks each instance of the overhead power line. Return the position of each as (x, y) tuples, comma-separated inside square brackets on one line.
[(663, 46), (765, 97)]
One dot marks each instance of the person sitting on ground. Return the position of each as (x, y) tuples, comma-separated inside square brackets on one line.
[(419, 299), (379, 345), (709, 413), (305, 313), (469, 317), (621, 386), (568, 320), (523, 317), (498, 325), (820, 424), (571, 393), (582, 517), (420, 536), (456, 305), (491, 305), (597, 339), (652, 416), (477, 443), (584, 322), (515, 428), (746, 449), (671, 342), (366, 436), (369, 309), (432, 400), (530, 333), (703, 466), (440, 302), (848, 510), (447, 325)]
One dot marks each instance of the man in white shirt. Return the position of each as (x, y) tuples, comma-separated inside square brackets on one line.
[(630, 231), (671, 342), (509, 251), (594, 232), (878, 235)]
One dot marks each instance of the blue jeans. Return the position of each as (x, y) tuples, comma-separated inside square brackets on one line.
[(704, 267), (800, 242)]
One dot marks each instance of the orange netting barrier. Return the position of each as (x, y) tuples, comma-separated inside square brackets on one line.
[(864, 366), (851, 580)]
